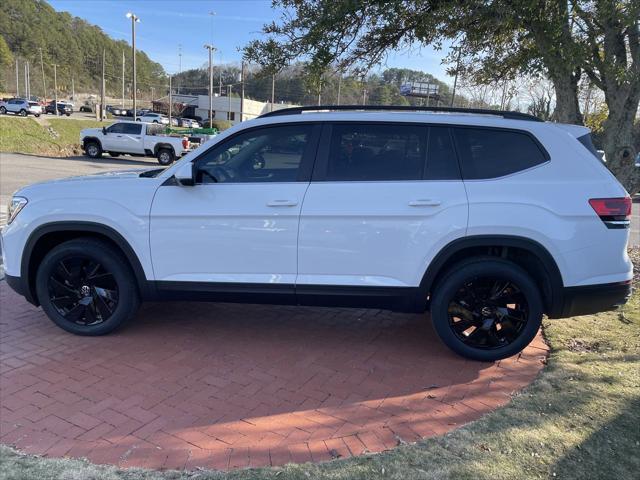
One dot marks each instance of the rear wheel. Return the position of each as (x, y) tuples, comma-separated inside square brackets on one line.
[(165, 156), (486, 309), (23, 113), (86, 287)]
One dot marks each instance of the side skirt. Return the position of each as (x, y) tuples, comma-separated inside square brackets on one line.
[(401, 299)]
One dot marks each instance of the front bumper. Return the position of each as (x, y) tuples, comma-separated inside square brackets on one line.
[(15, 283), (589, 299)]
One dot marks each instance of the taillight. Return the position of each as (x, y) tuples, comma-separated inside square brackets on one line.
[(185, 143), (614, 212)]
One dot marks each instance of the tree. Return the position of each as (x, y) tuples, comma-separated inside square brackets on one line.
[(498, 40), (6, 60)]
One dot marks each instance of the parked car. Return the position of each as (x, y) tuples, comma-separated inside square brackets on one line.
[(483, 218), (188, 123), (151, 117), (134, 138), (20, 106), (64, 108), (115, 110)]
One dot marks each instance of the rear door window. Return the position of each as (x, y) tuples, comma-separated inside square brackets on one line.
[(492, 153), (376, 152), (442, 163), (132, 128)]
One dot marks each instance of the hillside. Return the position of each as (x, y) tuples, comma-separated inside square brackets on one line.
[(70, 42)]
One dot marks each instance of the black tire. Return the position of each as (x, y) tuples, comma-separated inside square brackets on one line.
[(68, 114), (114, 154), (36, 115), (23, 113), (86, 287), (3, 111), (486, 330), (165, 156), (93, 149)]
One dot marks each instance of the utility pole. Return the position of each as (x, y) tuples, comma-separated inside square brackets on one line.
[(179, 67), (26, 80), (123, 79), (211, 49), (242, 74), (455, 79), (170, 101), (220, 77), (320, 92), (44, 82), (73, 89), (364, 96), (153, 94), (339, 87), (134, 20), (102, 89), (273, 90), (55, 88), (229, 98), (17, 80)]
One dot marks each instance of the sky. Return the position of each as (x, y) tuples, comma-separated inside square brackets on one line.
[(168, 27)]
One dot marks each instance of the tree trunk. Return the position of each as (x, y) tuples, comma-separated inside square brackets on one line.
[(618, 139), (567, 106)]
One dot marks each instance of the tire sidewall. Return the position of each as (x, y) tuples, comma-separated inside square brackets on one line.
[(97, 145), (104, 254), (500, 270), (170, 155)]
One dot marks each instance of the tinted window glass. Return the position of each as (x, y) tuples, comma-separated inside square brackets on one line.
[(442, 163), (369, 152), (585, 140), (132, 129), (270, 154), (489, 153), (116, 128)]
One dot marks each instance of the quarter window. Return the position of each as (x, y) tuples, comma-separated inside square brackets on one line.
[(270, 154), (491, 153), (376, 152)]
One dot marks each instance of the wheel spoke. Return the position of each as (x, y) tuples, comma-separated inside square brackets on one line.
[(488, 313), (57, 284)]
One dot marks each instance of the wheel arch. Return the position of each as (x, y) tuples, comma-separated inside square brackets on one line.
[(86, 140), (159, 146), (527, 253), (49, 235)]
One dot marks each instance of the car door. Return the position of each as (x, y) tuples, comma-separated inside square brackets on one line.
[(237, 227), (383, 200), (13, 106), (124, 137)]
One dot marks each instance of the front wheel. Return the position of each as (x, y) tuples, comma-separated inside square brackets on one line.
[(93, 149), (3, 111), (486, 309), (86, 287), (165, 156)]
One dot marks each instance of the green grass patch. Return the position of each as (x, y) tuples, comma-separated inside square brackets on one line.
[(578, 420), (26, 135)]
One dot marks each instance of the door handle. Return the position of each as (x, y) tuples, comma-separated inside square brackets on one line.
[(424, 202), (282, 203)]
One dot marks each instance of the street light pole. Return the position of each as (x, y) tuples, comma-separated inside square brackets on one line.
[(134, 20), (55, 88), (44, 82), (211, 49)]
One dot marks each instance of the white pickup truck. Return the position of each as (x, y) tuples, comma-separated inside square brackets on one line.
[(134, 138)]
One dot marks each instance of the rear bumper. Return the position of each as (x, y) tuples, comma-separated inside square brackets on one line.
[(588, 299)]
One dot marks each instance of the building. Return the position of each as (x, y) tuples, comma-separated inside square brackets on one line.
[(224, 108)]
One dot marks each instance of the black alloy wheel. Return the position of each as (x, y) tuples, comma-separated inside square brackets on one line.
[(83, 291), (486, 308), (87, 287)]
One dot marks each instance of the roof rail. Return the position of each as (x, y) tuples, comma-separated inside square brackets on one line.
[(401, 108)]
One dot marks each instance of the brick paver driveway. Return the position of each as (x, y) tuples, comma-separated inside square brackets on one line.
[(229, 386)]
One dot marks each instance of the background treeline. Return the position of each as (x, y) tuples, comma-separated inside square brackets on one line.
[(26, 26)]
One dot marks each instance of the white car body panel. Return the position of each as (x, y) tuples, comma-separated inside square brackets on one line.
[(348, 230)]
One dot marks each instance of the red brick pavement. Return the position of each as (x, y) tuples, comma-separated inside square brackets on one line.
[(224, 386)]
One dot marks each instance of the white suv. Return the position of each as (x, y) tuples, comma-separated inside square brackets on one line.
[(487, 219), (20, 106)]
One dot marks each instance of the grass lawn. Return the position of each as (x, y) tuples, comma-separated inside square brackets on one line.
[(578, 420), (26, 135)]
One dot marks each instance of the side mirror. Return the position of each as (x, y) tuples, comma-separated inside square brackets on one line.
[(104, 130), (184, 175)]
